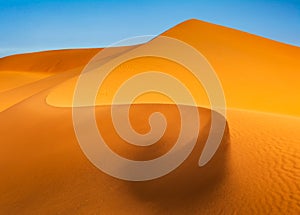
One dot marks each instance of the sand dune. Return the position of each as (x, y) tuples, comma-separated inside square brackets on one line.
[(51, 72), (252, 70), (256, 73), (255, 170)]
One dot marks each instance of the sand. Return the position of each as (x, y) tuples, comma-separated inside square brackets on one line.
[(255, 170), (256, 73), (10, 80)]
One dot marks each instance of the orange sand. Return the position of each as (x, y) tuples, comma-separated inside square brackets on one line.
[(10, 80), (256, 73), (48, 61), (255, 171)]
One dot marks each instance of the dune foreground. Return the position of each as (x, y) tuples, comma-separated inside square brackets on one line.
[(256, 169)]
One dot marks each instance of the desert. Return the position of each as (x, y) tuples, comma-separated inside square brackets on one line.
[(256, 169)]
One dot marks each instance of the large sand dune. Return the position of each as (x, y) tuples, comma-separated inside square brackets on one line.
[(255, 170)]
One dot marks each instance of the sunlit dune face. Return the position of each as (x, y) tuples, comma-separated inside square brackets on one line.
[(256, 73), (243, 69), (62, 95), (137, 66)]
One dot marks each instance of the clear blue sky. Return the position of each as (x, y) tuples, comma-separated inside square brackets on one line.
[(41, 25)]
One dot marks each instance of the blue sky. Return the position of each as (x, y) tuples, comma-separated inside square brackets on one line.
[(28, 26)]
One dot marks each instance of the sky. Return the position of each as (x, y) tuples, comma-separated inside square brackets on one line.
[(28, 26)]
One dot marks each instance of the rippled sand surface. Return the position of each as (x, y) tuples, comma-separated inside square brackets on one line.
[(256, 169)]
